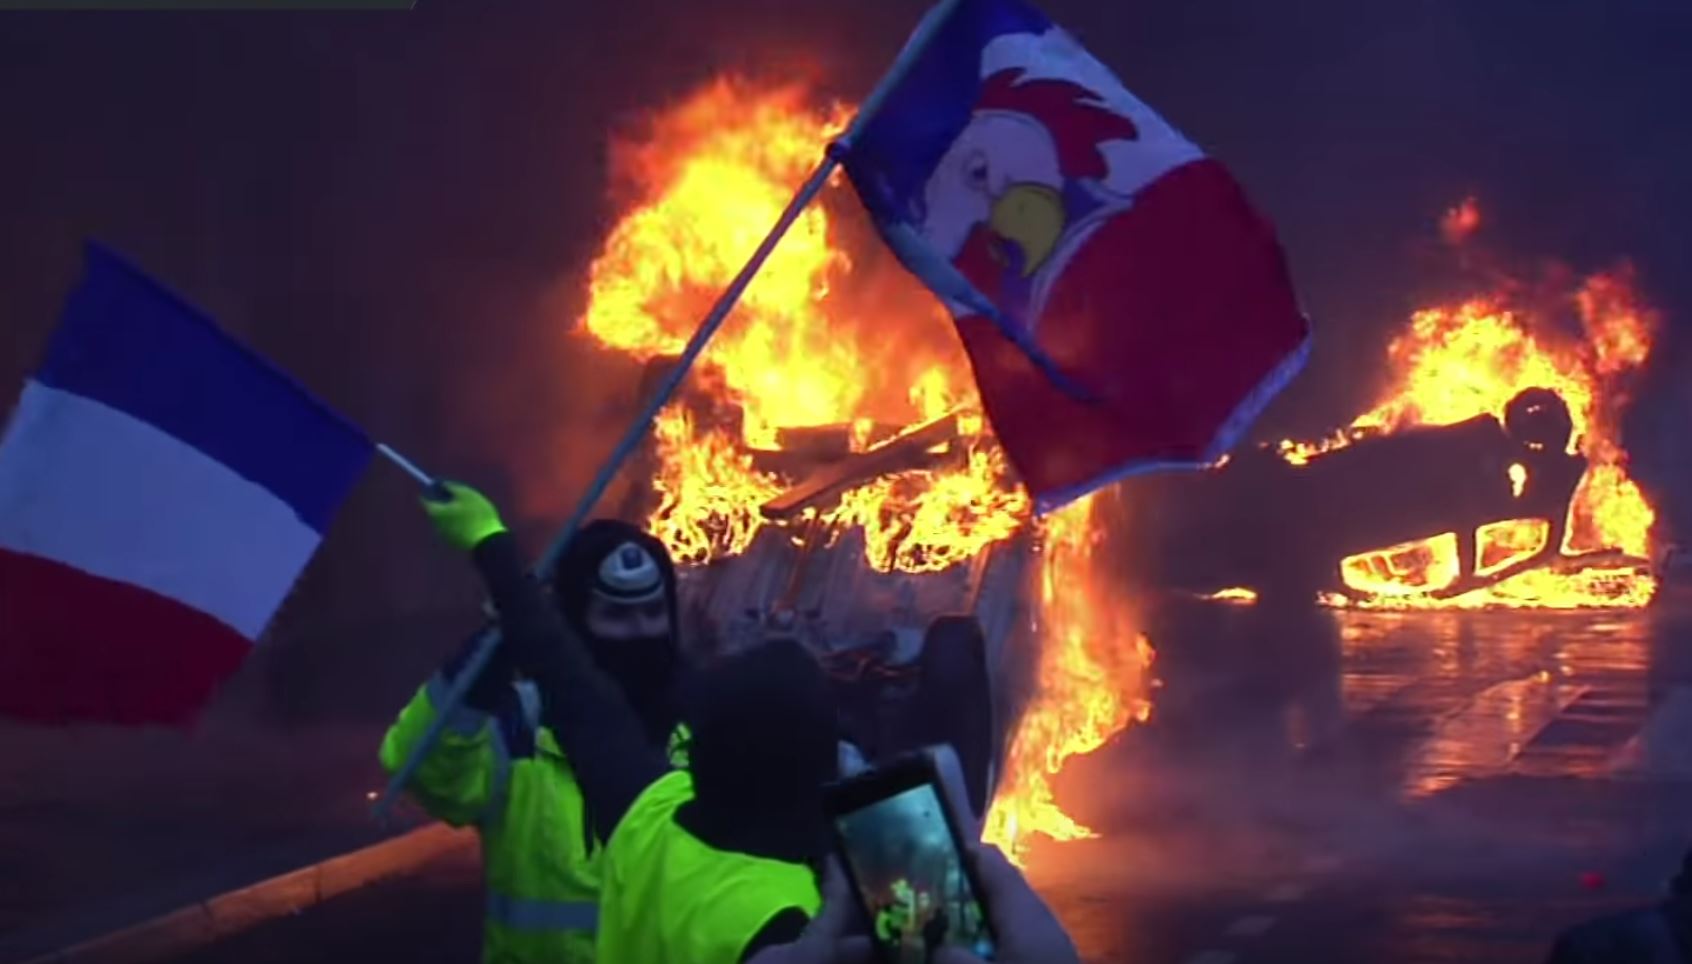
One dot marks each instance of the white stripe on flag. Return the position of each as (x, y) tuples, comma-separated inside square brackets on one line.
[(86, 485)]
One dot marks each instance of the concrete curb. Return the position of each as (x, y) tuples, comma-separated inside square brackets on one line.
[(220, 917)]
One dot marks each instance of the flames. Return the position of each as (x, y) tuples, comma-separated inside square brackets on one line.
[(1084, 667), (930, 521), (708, 490), (1582, 341), (831, 333), (811, 344), (713, 175)]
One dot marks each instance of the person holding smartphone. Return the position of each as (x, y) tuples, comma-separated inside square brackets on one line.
[(709, 865), (1027, 930)]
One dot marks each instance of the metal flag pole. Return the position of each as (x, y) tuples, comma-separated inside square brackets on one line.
[(836, 152), (406, 465)]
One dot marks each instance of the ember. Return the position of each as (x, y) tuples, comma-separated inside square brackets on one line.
[(819, 344), (1238, 595), (1460, 222)]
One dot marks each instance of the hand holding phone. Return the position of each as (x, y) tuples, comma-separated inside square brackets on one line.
[(902, 833), (1028, 931)]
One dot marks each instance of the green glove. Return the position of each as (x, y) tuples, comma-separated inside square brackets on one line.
[(464, 518)]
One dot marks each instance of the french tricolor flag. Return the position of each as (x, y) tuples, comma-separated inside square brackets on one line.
[(161, 488)]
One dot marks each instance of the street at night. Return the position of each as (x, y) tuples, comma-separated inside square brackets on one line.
[(749, 482)]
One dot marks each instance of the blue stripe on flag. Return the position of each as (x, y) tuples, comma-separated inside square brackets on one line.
[(127, 341)]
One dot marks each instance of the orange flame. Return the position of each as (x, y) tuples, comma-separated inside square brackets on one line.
[(801, 349), (823, 338), (1236, 595), (1081, 701), (709, 191), (1456, 362), (709, 491)]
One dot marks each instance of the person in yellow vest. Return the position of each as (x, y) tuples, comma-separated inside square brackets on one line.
[(888, 926), (904, 911), (709, 865), (499, 768)]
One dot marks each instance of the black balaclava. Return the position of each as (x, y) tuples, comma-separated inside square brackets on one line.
[(646, 669), (764, 744)]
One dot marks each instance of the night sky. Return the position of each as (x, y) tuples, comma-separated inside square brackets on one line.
[(385, 203)]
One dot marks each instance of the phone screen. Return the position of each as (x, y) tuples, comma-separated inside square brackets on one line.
[(903, 858)]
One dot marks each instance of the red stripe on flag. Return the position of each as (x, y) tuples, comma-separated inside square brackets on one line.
[(1173, 312), (77, 647)]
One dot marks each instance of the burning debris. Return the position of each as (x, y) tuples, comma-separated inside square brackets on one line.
[(828, 475)]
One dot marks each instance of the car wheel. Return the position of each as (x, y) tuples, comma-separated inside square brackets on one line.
[(953, 703)]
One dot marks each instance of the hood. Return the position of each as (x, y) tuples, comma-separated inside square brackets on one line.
[(764, 744), (647, 669)]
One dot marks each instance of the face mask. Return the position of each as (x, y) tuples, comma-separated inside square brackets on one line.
[(642, 666)]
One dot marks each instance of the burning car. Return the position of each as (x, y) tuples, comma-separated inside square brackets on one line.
[(1345, 518), (917, 657), (1490, 473)]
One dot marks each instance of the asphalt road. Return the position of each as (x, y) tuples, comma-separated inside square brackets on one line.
[(1315, 787)]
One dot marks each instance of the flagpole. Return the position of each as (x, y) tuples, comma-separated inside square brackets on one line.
[(405, 465), (836, 152)]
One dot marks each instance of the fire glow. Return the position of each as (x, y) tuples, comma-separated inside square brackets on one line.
[(1471, 358), (819, 340)]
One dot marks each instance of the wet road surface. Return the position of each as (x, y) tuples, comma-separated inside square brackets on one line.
[(1314, 787), (1354, 787)]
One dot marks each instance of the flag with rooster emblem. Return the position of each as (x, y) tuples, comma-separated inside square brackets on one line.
[(1123, 306)]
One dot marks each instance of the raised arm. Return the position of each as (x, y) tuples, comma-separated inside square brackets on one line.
[(597, 729)]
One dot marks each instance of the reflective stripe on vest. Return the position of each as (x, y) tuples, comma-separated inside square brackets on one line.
[(529, 698), (524, 914)]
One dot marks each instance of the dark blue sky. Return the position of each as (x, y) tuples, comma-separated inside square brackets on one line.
[(379, 200)]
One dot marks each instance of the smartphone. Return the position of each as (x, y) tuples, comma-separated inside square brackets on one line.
[(900, 829)]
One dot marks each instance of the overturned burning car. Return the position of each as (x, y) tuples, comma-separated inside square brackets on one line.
[(1431, 511), (930, 652)]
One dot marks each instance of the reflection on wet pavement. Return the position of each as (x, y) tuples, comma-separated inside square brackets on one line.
[(1455, 776), (1545, 694), (1489, 733)]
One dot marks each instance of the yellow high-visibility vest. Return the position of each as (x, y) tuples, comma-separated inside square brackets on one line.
[(668, 898)]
